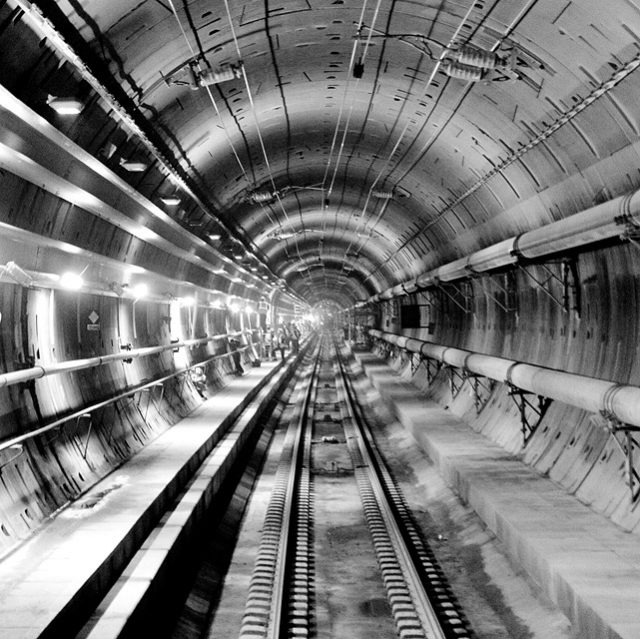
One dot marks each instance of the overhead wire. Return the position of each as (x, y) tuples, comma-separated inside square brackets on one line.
[(327, 192), (404, 130), (518, 18)]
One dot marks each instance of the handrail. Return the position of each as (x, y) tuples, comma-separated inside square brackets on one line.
[(619, 401), (15, 441), (38, 371)]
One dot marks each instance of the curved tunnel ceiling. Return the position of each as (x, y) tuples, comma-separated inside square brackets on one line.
[(352, 144)]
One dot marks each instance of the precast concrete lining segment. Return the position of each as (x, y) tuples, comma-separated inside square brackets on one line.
[(620, 401), (595, 224)]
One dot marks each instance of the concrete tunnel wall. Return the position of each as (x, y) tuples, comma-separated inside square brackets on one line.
[(43, 326), (572, 446)]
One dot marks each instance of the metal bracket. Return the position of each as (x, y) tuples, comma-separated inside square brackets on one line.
[(482, 389), (568, 279), (530, 414), (631, 231), (509, 303), (629, 445), (416, 361), (431, 365), (456, 381), (460, 293)]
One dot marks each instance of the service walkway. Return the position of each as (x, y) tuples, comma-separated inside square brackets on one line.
[(584, 563), (53, 578)]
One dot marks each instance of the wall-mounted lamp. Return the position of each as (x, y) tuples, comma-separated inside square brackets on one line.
[(71, 281), (214, 237), (140, 290), (170, 200), (65, 106)]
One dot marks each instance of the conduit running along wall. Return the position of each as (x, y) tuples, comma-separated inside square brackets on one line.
[(595, 224), (38, 371), (595, 395)]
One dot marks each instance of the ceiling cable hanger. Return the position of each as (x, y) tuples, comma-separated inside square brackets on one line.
[(202, 72), (523, 12), (357, 75), (403, 133), (257, 124)]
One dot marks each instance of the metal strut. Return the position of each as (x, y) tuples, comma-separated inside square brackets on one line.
[(630, 446), (456, 381), (482, 389), (569, 300), (460, 293), (509, 301), (434, 366), (530, 414)]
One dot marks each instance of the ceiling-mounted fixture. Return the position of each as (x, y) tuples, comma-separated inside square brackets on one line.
[(214, 237), (133, 166), (65, 106), (383, 195), (223, 73), (287, 235), (474, 64), (170, 200), (261, 197)]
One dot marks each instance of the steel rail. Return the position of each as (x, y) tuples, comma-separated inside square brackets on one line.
[(437, 608), (267, 590), (422, 605)]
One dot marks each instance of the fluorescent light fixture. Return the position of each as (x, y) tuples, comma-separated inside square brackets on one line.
[(71, 281), (65, 106), (214, 236), (170, 200), (253, 269), (133, 166)]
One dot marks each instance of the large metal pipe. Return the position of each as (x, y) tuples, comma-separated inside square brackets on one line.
[(598, 223), (36, 372), (595, 395)]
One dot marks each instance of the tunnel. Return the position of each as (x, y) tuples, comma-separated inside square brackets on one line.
[(449, 187)]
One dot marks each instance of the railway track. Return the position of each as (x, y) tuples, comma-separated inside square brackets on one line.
[(281, 595), (322, 440)]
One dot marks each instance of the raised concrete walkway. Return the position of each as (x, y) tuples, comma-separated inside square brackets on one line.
[(582, 561), (56, 577)]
